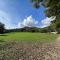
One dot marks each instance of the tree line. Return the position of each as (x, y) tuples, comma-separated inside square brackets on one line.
[(26, 29)]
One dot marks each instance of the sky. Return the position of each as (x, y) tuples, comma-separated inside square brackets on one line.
[(21, 13)]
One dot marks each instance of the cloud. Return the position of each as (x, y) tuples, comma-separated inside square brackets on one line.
[(5, 19), (29, 21), (47, 21)]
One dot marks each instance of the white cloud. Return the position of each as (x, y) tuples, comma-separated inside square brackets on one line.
[(29, 21), (47, 21), (5, 19)]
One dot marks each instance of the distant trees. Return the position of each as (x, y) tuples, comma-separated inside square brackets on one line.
[(32, 29), (2, 28), (29, 29), (24, 29)]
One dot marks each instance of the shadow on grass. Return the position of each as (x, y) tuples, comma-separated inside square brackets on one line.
[(2, 41), (3, 35)]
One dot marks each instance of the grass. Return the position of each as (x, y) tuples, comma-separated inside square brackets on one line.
[(28, 37)]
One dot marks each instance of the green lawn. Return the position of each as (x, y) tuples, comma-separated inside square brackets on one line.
[(28, 37)]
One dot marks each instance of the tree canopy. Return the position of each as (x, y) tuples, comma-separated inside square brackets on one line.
[(53, 6), (53, 9)]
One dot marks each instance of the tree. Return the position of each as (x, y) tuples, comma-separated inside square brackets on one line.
[(53, 6), (2, 28), (53, 9)]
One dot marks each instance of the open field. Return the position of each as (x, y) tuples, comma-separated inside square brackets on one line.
[(29, 37), (18, 46)]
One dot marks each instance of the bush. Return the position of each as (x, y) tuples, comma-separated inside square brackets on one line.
[(58, 30), (2, 28)]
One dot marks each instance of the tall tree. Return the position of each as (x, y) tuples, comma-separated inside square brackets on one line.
[(53, 9)]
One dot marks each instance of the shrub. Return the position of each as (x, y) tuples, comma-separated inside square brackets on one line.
[(2, 28)]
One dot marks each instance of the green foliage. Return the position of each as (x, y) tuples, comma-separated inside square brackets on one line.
[(2, 28), (36, 3), (53, 9), (36, 0), (52, 5)]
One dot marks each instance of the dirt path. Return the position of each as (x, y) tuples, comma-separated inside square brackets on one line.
[(58, 41), (30, 51), (55, 53)]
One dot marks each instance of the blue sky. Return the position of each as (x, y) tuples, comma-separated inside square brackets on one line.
[(20, 13)]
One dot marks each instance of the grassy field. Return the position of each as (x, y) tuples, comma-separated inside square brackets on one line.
[(13, 46), (28, 37)]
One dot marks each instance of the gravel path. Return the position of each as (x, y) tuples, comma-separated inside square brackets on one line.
[(30, 51)]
